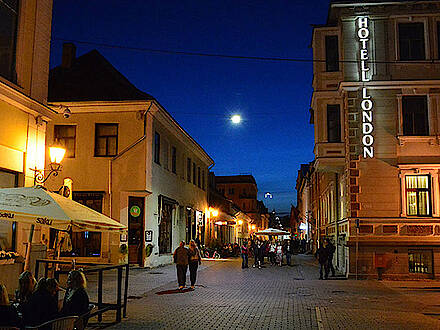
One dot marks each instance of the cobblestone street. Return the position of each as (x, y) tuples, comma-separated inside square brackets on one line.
[(228, 297)]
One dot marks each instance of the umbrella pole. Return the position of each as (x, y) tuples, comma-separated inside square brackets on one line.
[(27, 260)]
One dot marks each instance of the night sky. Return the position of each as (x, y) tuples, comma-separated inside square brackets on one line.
[(201, 93)]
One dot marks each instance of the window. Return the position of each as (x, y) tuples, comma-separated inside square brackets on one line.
[(66, 135), (333, 123), (165, 150), (331, 53), (231, 191), (411, 41), (194, 174), (8, 38), (420, 261), (188, 169), (199, 182), (106, 140), (88, 243), (415, 115), (157, 148), (173, 159), (418, 195), (203, 180), (438, 39)]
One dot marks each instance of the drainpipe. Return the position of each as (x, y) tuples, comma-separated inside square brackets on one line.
[(110, 161)]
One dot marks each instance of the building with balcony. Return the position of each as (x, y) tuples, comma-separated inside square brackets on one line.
[(376, 112), (129, 159)]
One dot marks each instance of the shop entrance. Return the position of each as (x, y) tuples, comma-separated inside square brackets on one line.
[(135, 230)]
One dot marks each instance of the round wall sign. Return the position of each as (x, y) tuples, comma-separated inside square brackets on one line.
[(135, 211)]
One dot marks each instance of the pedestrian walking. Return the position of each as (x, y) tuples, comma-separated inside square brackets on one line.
[(288, 252), (322, 255), (272, 253), (280, 254), (244, 255), (194, 261), (331, 251), (181, 261)]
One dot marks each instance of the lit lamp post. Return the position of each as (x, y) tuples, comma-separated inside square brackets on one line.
[(56, 155)]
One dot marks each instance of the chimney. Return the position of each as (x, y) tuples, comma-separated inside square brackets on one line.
[(69, 55)]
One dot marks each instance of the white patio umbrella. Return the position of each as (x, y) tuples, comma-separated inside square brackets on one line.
[(272, 232), (37, 206)]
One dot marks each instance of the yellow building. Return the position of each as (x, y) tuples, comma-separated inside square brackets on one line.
[(24, 70), (129, 159), (376, 110)]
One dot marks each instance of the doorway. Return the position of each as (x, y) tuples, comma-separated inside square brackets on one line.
[(135, 230)]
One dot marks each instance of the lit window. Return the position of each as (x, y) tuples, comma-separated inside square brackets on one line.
[(420, 261), (418, 195)]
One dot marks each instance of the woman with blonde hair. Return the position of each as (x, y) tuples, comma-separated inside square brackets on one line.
[(76, 299), (194, 261), (8, 314)]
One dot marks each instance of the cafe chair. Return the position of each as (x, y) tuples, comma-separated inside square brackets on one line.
[(81, 322), (62, 323)]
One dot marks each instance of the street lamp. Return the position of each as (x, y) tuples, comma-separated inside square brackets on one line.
[(240, 222), (56, 155)]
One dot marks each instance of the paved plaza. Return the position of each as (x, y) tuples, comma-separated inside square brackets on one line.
[(228, 297)]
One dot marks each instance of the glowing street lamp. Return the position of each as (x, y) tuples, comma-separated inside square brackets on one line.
[(56, 155), (254, 227), (240, 222), (236, 119)]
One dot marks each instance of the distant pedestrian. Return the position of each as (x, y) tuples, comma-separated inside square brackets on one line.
[(244, 255), (331, 251), (322, 255), (255, 251), (288, 250), (272, 253), (279, 254), (194, 261), (181, 261)]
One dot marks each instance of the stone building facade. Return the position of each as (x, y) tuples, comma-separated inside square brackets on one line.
[(376, 112)]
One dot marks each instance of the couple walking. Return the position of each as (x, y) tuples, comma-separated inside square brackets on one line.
[(325, 257), (182, 258)]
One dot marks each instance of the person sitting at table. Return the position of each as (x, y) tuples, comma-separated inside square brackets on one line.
[(42, 306), (76, 299), (26, 285), (8, 314)]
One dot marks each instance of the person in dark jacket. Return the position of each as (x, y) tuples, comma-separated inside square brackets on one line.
[(8, 314), (42, 306), (331, 251), (322, 255), (288, 251), (194, 261), (76, 299), (244, 254), (181, 260)]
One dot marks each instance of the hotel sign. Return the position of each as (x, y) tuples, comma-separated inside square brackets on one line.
[(363, 34)]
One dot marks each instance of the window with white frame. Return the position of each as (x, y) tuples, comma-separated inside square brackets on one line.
[(411, 41), (415, 115), (418, 195)]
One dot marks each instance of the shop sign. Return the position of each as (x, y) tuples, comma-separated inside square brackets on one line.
[(148, 236), (363, 34), (135, 211)]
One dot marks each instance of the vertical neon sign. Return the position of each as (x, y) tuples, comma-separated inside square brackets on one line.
[(363, 33)]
